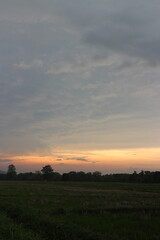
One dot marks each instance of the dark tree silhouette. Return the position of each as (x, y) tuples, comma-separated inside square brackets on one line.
[(11, 173), (65, 177), (47, 172), (97, 176)]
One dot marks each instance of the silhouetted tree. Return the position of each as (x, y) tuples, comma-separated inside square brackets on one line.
[(37, 175), (11, 173), (47, 172), (65, 177), (56, 176), (81, 176), (88, 176), (72, 176), (96, 176)]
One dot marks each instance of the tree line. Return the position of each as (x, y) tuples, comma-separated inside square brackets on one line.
[(47, 173)]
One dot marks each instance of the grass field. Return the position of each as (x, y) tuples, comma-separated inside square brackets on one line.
[(74, 210)]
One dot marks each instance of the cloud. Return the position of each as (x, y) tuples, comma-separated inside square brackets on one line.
[(78, 159), (5, 160), (125, 27), (48, 95), (24, 66), (79, 64), (20, 11), (58, 159), (82, 159)]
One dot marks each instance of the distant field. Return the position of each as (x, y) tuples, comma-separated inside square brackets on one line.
[(74, 210)]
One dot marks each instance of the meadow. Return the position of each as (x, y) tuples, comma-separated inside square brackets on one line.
[(32, 210)]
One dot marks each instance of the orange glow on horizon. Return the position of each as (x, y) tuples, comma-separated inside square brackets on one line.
[(93, 159)]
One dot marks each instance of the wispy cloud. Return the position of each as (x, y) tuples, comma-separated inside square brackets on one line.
[(78, 159), (24, 66), (5, 160), (77, 65), (58, 159)]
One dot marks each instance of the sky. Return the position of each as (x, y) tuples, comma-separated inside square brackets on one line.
[(80, 85)]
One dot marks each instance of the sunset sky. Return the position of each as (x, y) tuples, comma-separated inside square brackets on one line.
[(80, 85)]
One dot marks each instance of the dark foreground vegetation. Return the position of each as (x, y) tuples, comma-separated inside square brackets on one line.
[(47, 173), (48, 210)]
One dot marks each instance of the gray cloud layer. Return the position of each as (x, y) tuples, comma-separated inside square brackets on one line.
[(5, 160), (73, 74), (127, 27)]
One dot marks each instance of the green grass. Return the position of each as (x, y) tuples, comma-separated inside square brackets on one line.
[(74, 210)]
